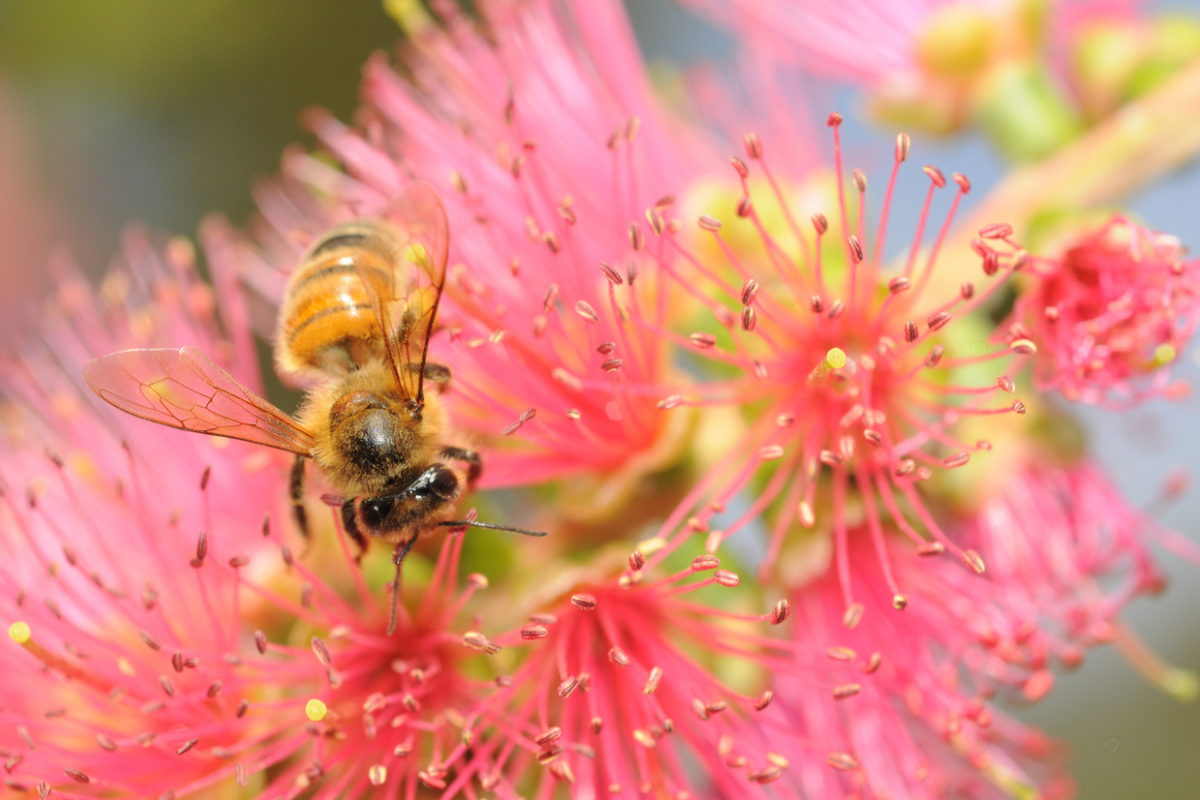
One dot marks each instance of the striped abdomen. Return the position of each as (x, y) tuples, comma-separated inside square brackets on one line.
[(327, 323)]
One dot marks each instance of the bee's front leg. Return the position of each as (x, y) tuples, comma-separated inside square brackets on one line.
[(350, 525), (470, 458)]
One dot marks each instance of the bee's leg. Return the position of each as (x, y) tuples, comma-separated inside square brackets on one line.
[(436, 374), (296, 492), (398, 559), (470, 458), (350, 525)]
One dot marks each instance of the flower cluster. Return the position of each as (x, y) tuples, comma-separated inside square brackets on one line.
[(805, 524)]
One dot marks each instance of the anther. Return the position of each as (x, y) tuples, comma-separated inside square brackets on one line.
[(820, 223), (966, 290), (652, 681), (903, 144), (956, 460), (726, 578), (860, 180), (637, 239), (938, 320), (1023, 347), (964, 183), (749, 291), (201, 550), (321, 651), (846, 690), (910, 331), (188, 745), (709, 223), (745, 207), (585, 310), (782, 610), (703, 340), (584, 602), (534, 632), (770, 452), (935, 175), (740, 167), (935, 355), (834, 120), (749, 318), (853, 615), (899, 284), (856, 248), (753, 145), (613, 276)]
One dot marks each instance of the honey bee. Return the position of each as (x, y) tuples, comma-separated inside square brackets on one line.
[(355, 324)]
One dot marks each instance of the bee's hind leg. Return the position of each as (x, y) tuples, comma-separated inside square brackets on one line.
[(296, 492), (470, 458)]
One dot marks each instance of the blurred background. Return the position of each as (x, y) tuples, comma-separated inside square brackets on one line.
[(143, 110)]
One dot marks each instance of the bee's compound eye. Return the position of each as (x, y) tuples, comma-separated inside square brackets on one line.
[(444, 483), (375, 511)]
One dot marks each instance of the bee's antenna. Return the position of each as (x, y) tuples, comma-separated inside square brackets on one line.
[(462, 523)]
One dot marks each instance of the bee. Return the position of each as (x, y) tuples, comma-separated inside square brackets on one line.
[(354, 325)]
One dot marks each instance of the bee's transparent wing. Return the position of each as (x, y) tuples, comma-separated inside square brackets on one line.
[(407, 305), (184, 389)]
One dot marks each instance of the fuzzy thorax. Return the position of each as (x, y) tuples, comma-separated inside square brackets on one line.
[(368, 440)]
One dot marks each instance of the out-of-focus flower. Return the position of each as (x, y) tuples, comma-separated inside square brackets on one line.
[(1118, 56), (547, 148), (1110, 314), (939, 65), (27, 223)]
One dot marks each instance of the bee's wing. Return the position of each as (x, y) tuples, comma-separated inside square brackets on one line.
[(407, 305), (184, 389)]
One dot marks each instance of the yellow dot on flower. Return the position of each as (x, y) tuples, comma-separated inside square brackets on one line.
[(19, 632), (836, 358), (1164, 354), (315, 710)]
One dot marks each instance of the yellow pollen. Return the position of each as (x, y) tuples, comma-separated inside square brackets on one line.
[(1164, 354), (315, 710), (19, 632)]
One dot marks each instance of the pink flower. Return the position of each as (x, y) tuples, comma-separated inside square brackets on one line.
[(899, 704), (1110, 314), (856, 377), (546, 147), (618, 685)]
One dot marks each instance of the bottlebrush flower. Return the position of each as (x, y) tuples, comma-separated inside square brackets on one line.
[(856, 377), (1110, 314), (546, 146), (618, 682), (901, 701)]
